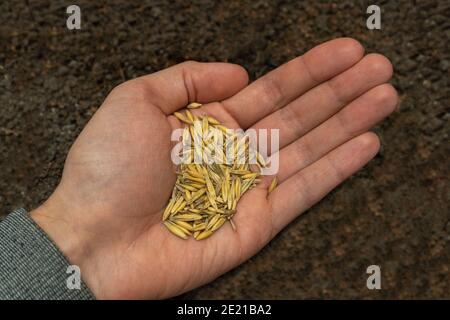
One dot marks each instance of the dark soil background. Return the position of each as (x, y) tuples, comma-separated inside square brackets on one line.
[(395, 213)]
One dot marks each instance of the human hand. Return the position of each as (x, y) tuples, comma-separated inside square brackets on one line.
[(105, 215)]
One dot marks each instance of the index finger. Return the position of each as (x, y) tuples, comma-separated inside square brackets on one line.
[(292, 79)]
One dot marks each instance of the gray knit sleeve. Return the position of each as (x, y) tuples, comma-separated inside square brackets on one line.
[(31, 266)]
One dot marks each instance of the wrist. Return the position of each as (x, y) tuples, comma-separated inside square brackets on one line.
[(62, 225)]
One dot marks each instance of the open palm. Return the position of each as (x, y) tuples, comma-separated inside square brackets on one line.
[(106, 213)]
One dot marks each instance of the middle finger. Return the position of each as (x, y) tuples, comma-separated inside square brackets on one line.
[(323, 101)]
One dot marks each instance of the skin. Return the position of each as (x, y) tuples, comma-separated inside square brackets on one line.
[(105, 215)]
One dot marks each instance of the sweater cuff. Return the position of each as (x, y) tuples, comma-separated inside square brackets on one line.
[(31, 265)]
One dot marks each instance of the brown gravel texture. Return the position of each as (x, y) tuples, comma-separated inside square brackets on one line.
[(395, 213)]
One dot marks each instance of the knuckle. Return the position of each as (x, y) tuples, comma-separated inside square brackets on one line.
[(293, 119), (304, 153), (137, 89), (300, 187), (271, 89), (189, 63)]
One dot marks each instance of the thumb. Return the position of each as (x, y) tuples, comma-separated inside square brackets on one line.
[(173, 88)]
